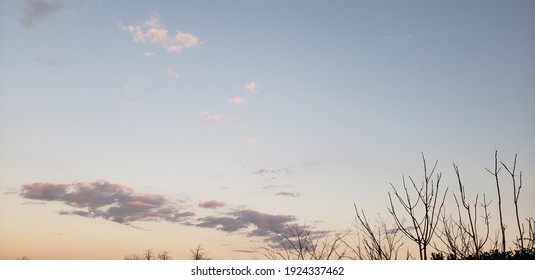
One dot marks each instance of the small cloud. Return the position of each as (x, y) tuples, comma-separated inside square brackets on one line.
[(127, 91), (137, 34), (272, 171), (149, 54), (251, 142), (251, 87), (186, 40), (152, 31), (211, 204), (172, 74), (291, 194), (237, 101), (37, 11), (211, 118), (130, 104)]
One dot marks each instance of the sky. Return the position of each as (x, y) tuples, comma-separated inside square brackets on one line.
[(128, 125)]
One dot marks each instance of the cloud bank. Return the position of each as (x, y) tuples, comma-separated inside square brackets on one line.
[(114, 202), (121, 204), (264, 224)]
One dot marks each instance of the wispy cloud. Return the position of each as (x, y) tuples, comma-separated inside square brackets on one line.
[(37, 11), (152, 31), (128, 90), (290, 194), (240, 220), (133, 80), (114, 202), (10, 191), (50, 62), (271, 187), (149, 54), (237, 101), (172, 74), (129, 104), (246, 251), (211, 118), (212, 204), (272, 171), (251, 87)]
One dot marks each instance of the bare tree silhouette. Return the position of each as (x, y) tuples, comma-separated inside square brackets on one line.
[(495, 174), (461, 238), (301, 243), (378, 242), (516, 195), (199, 253), (427, 197)]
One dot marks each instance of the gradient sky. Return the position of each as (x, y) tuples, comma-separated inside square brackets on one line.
[(128, 125)]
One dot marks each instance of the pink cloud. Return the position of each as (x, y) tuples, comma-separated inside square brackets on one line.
[(186, 40), (251, 142), (237, 100), (212, 118), (157, 35), (251, 87), (172, 74), (152, 31), (138, 35)]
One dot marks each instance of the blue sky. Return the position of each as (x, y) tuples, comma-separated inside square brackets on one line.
[(291, 110)]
